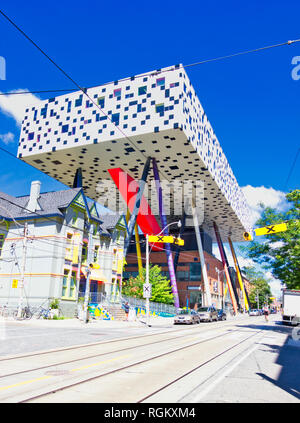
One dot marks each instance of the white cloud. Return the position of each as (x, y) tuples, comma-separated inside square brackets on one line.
[(15, 105), (7, 138), (275, 285), (269, 197)]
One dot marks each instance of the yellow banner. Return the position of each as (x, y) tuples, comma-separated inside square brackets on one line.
[(271, 229), (161, 238)]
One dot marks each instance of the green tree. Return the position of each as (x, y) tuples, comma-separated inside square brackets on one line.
[(161, 290), (281, 253), (260, 287)]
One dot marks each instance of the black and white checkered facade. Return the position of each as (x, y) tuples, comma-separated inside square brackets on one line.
[(156, 114)]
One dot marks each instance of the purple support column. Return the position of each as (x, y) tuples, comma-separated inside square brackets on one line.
[(166, 232)]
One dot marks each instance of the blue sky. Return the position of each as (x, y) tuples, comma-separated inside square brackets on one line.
[(252, 101)]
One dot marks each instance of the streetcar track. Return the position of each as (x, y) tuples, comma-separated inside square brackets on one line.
[(74, 347), (99, 354), (89, 379), (195, 369)]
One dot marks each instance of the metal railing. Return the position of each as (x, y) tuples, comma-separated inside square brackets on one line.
[(117, 300)]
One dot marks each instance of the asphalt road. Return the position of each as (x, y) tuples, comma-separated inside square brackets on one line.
[(242, 360)]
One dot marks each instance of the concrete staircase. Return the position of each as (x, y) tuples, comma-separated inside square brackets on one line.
[(116, 311)]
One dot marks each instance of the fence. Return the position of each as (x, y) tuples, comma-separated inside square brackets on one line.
[(102, 299)]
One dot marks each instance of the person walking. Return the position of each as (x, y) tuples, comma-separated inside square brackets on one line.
[(266, 313), (126, 309)]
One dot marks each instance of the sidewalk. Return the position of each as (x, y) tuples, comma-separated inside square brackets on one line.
[(76, 323), (138, 322)]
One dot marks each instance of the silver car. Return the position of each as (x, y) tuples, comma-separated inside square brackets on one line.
[(208, 314), (254, 312), (187, 317)]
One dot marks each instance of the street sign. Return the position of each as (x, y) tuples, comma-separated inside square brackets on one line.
[(161, 238), (147, 290), (15, 283), (271, 229)]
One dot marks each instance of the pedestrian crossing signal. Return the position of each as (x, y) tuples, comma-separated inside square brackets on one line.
[(247, 236)]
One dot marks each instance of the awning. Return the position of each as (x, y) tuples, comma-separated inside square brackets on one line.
[(96, 274)]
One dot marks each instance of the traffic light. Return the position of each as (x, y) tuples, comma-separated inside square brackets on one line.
[(94, 266), (178, 241), (247, 236)]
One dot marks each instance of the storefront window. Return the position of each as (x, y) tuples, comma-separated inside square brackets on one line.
[(195, 271)]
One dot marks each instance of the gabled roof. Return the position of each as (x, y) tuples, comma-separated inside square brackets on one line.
[(51, 203), (109, 221)]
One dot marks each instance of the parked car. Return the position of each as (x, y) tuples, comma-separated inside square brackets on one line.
[(187, 317), (254, 312), (221, 314), (208, 314)]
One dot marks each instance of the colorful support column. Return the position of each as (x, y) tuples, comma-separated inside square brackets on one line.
[(137, 243), (78, 179), (166, 233), (128, 188), (201, 254), (238, 272), (138, 249), (135, 211), (225, 266)]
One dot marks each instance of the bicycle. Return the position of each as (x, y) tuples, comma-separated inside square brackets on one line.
[(4, 312), (25, 314), (43, 312)]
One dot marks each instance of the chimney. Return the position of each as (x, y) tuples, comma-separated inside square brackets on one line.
[(35, 189)]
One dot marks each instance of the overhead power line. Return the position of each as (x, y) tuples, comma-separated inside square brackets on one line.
[(152, 73), (84, 90), (37, 91)]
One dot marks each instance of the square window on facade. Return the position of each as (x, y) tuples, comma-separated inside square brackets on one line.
[(101, 101), (159, 108), (160, 82), (78, 102), (117, 92), (142, 90)]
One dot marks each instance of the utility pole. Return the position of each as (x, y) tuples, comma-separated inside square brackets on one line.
[(257, 296), (24, 252), (88, 273)]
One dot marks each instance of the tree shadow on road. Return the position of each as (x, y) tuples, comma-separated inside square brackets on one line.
[(288, 357), (276, 326), (289, 376)]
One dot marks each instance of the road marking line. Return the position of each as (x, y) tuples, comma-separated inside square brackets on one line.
[(229, 370), (51, 376), (2, 388), (100, 362)]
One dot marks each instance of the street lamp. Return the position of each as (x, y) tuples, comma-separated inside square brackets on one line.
[(147, 284)]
